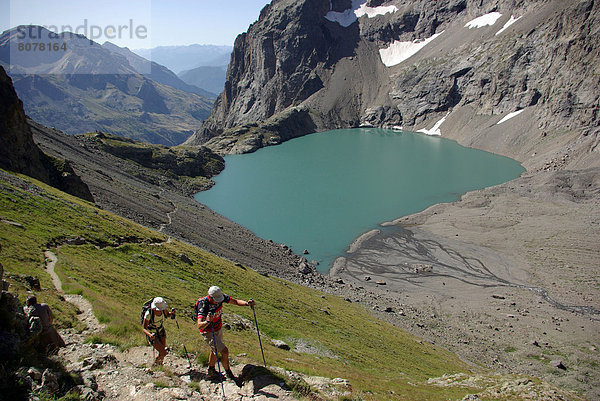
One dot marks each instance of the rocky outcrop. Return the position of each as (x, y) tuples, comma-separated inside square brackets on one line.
[(277, 64), (348, 64), (247, 138), (180, 161), (19, 152)]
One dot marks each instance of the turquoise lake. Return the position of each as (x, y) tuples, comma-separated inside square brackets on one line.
[(321, 191)]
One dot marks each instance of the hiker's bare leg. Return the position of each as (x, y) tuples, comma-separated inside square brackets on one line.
[(225, 358), (161, 347), (212, 359)]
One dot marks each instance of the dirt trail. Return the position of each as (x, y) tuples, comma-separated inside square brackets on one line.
[(169, 218), (51, 260), (111, 374), (84, 306)]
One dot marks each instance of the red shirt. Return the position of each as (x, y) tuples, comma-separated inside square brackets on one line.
[(205, 308)]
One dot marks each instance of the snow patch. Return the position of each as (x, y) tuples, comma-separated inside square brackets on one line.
[(484, 20), (359, 8), (372, 12), (400, 51), (435, 130), (510, 115), (511, 21)]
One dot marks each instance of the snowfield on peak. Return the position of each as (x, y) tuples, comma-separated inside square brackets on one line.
[(400, 51), (359, 8), (511, 21), (484, 20)]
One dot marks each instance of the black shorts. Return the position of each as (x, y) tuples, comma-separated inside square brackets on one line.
[(160, 335)]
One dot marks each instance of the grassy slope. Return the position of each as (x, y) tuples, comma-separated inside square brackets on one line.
[(381, 361)]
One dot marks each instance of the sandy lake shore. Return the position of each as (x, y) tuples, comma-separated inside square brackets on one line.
[(507, 277)]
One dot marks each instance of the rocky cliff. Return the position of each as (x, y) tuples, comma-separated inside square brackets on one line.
[(410, 64), (19, 153)]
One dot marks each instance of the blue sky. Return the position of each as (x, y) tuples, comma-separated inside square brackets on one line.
[(154, 22)]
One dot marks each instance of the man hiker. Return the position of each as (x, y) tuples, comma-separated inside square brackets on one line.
[(209, 322), (154, 329), (50, 340)]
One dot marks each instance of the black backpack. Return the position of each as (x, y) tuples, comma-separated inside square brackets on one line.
[(196, 306), (147, 305)]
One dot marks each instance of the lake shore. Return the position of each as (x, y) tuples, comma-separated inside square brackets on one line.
[(506, 277)]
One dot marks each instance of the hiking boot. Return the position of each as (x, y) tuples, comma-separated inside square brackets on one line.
[(230, 375), (212, 373)]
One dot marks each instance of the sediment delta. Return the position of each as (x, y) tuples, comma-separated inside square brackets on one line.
[(506, 277)]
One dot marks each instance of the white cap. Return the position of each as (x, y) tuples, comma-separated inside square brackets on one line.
[(216, 293), (159, 304)]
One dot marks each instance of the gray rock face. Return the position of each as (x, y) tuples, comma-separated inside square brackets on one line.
[(295, 58), (19, 153)]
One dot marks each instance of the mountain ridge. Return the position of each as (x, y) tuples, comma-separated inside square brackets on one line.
[(210, 78), (157, 72), (180, 58), (473, 74), (87, 88)]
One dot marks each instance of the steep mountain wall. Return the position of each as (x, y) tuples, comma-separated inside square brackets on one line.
[(412, 63), (19, 153)]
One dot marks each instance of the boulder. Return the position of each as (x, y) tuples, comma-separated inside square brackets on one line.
[(33, 283), (280, 344), (558, 364), (304, 268), (49, 382), (35, 374), (422, 268), (184, 258)]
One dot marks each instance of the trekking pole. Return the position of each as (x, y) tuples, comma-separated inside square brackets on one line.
[(151, 342), (259, 341), (182, 343), (217, 355)]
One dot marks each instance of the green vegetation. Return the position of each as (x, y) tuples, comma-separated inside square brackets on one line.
[(194, 165), (118, 265)]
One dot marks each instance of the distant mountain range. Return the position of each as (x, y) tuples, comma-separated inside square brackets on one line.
[(182, 58), (89, 87), (160, 73), (210, 78)]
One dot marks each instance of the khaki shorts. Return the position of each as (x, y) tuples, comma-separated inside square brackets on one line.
[(209, 339)]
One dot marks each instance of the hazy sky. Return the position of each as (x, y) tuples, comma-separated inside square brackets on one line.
[(138, 23)]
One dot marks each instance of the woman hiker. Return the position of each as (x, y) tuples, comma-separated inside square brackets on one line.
[(209, 321), (154, 328), (50, 340)]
